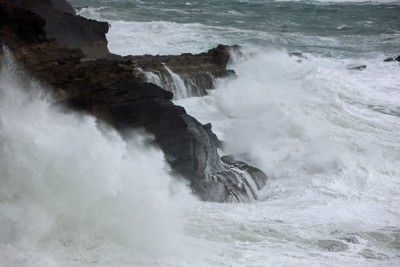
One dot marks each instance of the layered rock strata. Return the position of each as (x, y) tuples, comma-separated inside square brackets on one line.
[(114, 90), (197, 72)]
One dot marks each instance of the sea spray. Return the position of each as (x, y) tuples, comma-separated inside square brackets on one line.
[(177, 85), (333, 196), (331, 154), (298, 124), (181, 87), (68, 181), (311, 117)]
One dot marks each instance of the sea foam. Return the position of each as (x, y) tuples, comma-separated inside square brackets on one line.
[(69, 183)]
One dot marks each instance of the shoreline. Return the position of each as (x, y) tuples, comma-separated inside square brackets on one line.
[(86, 77)]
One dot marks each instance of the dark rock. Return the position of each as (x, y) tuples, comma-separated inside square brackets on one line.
[(297, 54), (350, 239), (56, 5), (222, 54), (360, 67), (114, 90), (70, 30), (62, 5), (198, 72), (212, 135), (391, 59), (332, 245), (258, 176), (20, 26)]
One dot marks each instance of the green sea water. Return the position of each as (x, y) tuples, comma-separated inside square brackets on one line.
[(329, 28), (74, 193)]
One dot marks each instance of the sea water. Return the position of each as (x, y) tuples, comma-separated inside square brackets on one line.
[(328, 137)]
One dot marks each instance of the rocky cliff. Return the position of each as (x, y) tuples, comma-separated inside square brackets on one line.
[(197, 72), (116, 90), (70, 30)]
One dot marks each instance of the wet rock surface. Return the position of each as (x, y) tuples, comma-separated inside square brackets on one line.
[(359, 67), (113, 89), (392, 59), (19, 26), (70, 30), (198, 72), (297, 54)]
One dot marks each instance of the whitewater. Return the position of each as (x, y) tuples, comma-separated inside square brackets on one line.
[(74, 193)]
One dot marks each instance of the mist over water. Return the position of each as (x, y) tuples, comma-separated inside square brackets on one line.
[(331, 153), (328, 138), (71, 184), (316, 109)]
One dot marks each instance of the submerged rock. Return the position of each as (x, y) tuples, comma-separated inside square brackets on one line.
[(391, 59), (297, 54), (114, 90), (360, 67), (350, 239), (332, 245)]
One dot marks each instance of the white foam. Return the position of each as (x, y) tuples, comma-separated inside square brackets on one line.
[(177, 85), (71, 187), (331, 157), (327, 137), (157, 38)]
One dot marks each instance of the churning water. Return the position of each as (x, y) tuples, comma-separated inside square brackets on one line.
[(70, 185), (75, 194)]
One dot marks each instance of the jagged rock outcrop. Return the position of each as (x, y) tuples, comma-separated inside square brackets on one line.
[(19, 26), (70, 30), (198, 72), (113, 90)]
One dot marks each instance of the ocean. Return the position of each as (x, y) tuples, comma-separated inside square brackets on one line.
[(326, 134)]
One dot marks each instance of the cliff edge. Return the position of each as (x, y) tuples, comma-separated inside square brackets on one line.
[(86, 77)]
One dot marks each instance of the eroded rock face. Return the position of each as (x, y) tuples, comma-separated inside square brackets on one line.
[(113, 90), (70, 30), (198, 72), (19, 26)]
